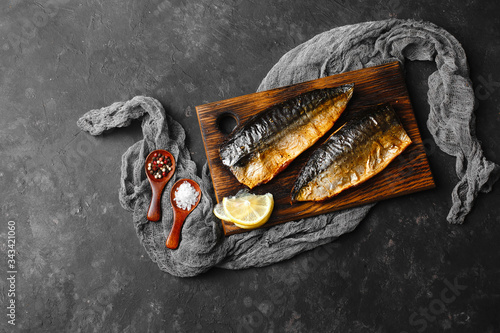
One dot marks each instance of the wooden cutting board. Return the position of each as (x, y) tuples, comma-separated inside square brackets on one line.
[(408, 173)]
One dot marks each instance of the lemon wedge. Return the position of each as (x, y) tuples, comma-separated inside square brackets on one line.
[(246, 210)]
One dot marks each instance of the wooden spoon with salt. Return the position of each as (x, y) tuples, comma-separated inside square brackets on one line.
[(179, 213)]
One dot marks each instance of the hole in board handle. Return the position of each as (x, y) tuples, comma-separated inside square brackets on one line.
[(227, 122)]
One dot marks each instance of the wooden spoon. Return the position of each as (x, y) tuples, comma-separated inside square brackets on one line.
[(179, 213), (157, 184)]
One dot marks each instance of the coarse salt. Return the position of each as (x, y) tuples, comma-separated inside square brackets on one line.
[(186, 196)]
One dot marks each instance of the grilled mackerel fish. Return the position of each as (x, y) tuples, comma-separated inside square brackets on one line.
[(357, 151), (270, 141)]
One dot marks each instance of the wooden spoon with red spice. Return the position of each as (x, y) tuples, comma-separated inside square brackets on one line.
[(159, 167)]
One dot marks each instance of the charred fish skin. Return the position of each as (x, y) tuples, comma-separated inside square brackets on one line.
[(358, 150), (267, 143)]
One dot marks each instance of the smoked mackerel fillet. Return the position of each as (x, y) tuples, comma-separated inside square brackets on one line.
[(357, 151), (267, 143)]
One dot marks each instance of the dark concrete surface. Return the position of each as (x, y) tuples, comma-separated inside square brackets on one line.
[(80, 266)]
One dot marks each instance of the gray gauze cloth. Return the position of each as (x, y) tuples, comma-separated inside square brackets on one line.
[(203, 244)]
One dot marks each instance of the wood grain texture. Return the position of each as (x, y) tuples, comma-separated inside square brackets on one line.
[(408, 173)]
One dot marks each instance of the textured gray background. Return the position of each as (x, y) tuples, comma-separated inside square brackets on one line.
[(81, 266)]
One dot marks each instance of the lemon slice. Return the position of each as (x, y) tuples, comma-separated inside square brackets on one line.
[(248, 210), (245, 210), (220, 212)]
